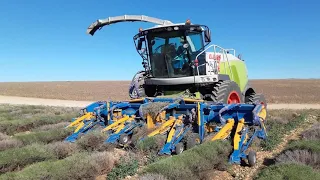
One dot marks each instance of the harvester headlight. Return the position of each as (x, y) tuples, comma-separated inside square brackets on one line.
[(207, 79), (176, 28)]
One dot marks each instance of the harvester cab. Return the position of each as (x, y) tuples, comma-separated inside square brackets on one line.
[(185, 92), (169, 51)]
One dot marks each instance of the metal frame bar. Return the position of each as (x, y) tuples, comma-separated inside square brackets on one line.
[(125, 18)]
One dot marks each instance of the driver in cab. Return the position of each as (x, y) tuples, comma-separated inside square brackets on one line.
[(180, 60)]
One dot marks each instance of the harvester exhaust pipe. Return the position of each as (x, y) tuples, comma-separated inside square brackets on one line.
[(125, 18)]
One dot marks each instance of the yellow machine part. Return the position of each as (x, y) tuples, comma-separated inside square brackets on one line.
[(263, 115), (173, 130), (164, 127), (225, 131), (119, 123), (152, 122), (80, 125), (237, 135), (80, 120), (209, 128)]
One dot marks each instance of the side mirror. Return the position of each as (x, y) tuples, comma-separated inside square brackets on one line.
[(140, 43), (240, 57), (207, 36)]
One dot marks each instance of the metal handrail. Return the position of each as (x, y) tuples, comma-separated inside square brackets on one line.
[(224, 52), (234, 51)]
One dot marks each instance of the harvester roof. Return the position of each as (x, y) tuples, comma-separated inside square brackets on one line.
[(169, 28)]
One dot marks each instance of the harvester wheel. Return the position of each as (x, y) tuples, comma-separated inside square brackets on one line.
[(136, 89), (227, 92), (256, 98), (124, 139), (192, 140), (252, 158), (179, 148)]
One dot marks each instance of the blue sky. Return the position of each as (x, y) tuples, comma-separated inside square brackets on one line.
[(47, 40)]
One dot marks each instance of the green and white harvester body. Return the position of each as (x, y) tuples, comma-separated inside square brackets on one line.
[(188, 90)]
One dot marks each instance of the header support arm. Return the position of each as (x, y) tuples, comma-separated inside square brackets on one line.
[(125, 18)]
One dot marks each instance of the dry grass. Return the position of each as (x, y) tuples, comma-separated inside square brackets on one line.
[(276, 91)]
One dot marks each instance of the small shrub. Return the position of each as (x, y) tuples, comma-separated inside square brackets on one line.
[(62, 149), (288, 171), (310, 145), (190, 163), (300, 156), (93, 141), (151, 176), (126, 167), (77, 166), (4, 136), (151, 144), (313, 133), (21, 125), (10, 143), (103, 162), (43, 136), (16, 158), (52, 126)]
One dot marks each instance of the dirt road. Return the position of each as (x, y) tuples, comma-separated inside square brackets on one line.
[(71, 103)]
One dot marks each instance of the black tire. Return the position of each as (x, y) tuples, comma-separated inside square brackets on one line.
[(256, 98), (150, 90), (222, 90), (124, 139), (252, 158), (136, 92), (192, 140), (179, 148)]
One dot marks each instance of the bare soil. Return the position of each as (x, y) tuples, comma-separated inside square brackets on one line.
[(276, 91)]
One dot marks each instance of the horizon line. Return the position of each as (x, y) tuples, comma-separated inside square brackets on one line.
[(130, 80)]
